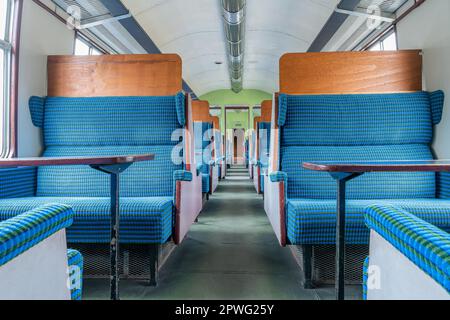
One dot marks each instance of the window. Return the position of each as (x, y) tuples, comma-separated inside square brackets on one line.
[(386, 43), (6, 17), (84, 47)]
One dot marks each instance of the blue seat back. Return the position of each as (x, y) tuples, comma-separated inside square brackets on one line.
[(203, 146), (358, 127), (107, 126)]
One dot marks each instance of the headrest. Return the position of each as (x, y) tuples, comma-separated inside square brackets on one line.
[(437, 105), (37, 105)]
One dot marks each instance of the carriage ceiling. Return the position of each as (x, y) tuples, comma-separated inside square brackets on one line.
[(195, 30)]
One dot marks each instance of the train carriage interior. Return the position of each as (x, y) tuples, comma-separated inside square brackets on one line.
[(224, 150)]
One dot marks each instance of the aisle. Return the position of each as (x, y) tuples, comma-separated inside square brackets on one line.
[(232, 253)]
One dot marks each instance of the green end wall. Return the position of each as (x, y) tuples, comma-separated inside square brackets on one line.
[(248, 98)]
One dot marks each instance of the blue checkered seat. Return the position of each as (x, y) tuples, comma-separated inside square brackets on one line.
[(30, 232), (424, 274), (351, 128), (104, 126), (203, 152)]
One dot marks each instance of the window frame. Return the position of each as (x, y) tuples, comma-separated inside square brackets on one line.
[(10, 47), (380, 40), (92, 46)]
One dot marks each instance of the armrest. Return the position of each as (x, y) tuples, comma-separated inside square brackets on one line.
[(188, 202), (278, 176), (23, 232), (275, 187), (17, 182), (422, 243), (199, 168), (443, 185), (182, 175)]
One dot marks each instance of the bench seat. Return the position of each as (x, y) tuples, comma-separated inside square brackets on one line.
[(409, 257), (144, 220), (350, 127), (312, 221)]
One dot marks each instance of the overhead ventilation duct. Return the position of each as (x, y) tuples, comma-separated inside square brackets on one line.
[(234, 22)]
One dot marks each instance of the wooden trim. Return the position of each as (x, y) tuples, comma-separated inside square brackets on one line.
[(176, 233), (351, 72), (275, 134), (200, 112), (283, 240), (114, 75), (381, 166), (66, 161), (14, 90)]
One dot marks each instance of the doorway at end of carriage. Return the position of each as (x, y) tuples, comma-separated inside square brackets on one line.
[(237, 122)]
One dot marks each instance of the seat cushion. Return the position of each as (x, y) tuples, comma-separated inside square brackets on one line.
[(143, 220), (205, 183), (311, 221)]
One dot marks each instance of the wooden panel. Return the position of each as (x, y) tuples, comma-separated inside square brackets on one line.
[(380, 166), (73, 161), (216, 122), (200, 111), (266, 113), (114, 75), (351, 72)]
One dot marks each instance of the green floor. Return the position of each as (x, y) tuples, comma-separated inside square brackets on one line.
[(231, 253)]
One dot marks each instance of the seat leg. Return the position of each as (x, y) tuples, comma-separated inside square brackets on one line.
[(154, 260), (308, 266), (207, 196)]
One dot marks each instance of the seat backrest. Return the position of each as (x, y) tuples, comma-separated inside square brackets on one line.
[(358, 127), (203, 146), (264, 143), (107, 126)]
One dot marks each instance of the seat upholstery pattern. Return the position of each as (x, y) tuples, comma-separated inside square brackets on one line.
[(359, 119), (311, 221), (423, 243), (365, 286), (17, 182), (75, 261), (355, 127), (24, 230), (142, 220), (143, 179), (203, 151), (108, 126), (205, 183)]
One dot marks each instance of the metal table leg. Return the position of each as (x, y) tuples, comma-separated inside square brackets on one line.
[(114, 171), (341, 179)]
